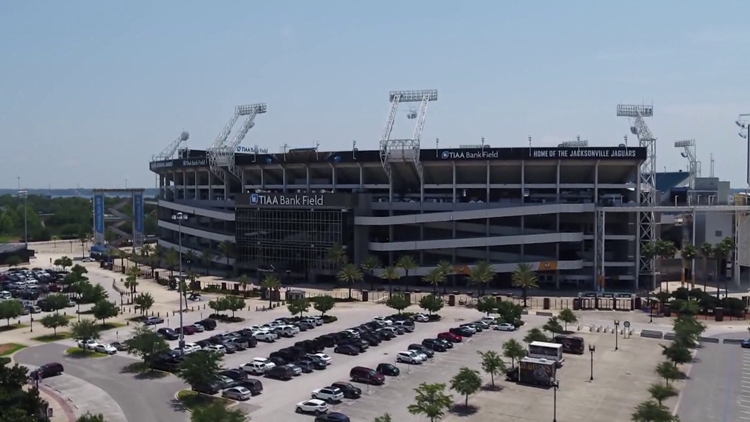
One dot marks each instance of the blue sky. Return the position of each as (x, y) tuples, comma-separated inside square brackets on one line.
[(89, 90)]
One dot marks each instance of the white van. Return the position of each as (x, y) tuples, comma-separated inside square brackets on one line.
[(288, 330), (549, 351)]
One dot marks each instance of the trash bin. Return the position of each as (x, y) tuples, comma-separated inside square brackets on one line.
[(407, 296), (545, 303), (719, 314), (451, 300), (365, 296), (666, 310), (638, 303), (576, 304)]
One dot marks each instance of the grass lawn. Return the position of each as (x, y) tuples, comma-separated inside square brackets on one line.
[(142, 371), (49, 338), (193, 400), (110, 326), (10, 348), (11, 327), (77, 352)]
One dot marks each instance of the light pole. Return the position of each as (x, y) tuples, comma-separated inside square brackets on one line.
[(744, 125), (555, 387), (179, 217), (592, 349), (25, 194), (617, 325)]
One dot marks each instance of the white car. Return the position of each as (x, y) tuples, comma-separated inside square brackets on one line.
[(190, 348), (421, 318), (354, 334), (469, 327), (199, 328), (324, 357), (328, 394), (382, 321), (488, 320), (255, 368), (88, 344), (87, 259), (266, 336), (255, 328), (409, 356), (288, 330), (504, 326), (105, 348), (237, 393), (217, 348), (315, 406)]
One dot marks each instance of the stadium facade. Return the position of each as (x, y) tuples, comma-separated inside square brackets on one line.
[(501, 205)]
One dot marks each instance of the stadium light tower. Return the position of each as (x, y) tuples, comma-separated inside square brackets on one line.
[(387, 145), (222, 155), (689, 152), (168, 152), (636, 115), (743, 121), (578, 143)]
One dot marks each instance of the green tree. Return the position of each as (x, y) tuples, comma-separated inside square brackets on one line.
[(514, 351), (535, 334), (91, 293), (661, 392), (722, 251), (13, 261), (207, 257), (384, 418), (217, 411), (567, 317), (84, 330), (431, 303), (198, 369), (677, 353), (54, 321), (431, 401), (337, 256), (481, 275), (146, 344), (104, 310), (466, 382), (349, 274), (434, 277), (509, 312), (17, 403), (234, 303), (492, 364), (397, 302), (523, 277), (298, 307), (487, 305), (688, 254), (270, 283), (64, 262), (667, 371), (369, 265), (90, 417), (56, 301), (447, 269), (173, 260), (244, 281), (390, 273), (553, 326), (219, 305), (651, 411), (79, 270), (144, 302), (10, 309), (131, 279), (83, 237), (407, 263), (706, 252), (226, 249), (324, 304)]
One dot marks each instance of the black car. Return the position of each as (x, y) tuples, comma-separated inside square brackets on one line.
[(327, 340), (230, 347), (332, 417), (316, 362), (386, 334), (252, 384), (208, 324), (277, 360), (250, 340), (347, 349), (166, 365), (235, 374), (434, 344), (349, 390), (371, 339), (280, 372), (359, 344), (209, 389), (459, 331), (388, 369), (237, 343), (305, 365), (399, 329), (445, 343), (421, 349), (168, 333)]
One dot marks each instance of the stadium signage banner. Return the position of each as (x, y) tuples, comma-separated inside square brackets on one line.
[(471, 154), (161, 164), (578, 153), (552, 153), (296, 200)]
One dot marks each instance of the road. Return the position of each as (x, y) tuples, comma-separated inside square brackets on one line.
[(719, 386)]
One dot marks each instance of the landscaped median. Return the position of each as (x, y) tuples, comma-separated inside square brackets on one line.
[(77, 352), (209, 408), (10, 327), (8, 349)]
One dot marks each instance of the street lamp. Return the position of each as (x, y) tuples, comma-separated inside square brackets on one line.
[(179, 217), (555, 387), (744, 125), (617, 330), (650, 309), (592, 349), (25, 194)]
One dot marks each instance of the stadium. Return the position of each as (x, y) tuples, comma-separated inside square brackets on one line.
[(577, 214)]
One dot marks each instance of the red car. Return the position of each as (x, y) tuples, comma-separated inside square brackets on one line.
[(453, 338), (187, 330)]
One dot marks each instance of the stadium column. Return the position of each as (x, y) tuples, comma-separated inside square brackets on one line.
[(307, 179), (637, 274), (242, 181), (523, 200), (454, 257), (361, 177), (487, 220), (557, 245), (196, 185), (184, 184), (210, 186), (333, 177), (283, 178)]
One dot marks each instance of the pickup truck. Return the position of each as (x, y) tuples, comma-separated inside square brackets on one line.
[(328, 394)]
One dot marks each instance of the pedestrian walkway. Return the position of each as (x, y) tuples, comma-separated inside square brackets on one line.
[(61, 410), (743, 401)]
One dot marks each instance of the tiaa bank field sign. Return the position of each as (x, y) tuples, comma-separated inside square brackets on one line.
[(290, 200)]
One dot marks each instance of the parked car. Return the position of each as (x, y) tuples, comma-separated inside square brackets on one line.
[(237, 393), (504, 326), (217, 348), (434, 344), (266, 336), (332, 417), (461, 331), (252, 384), (168, 333), (107, 349), (366, 375), (189, 348), (388, 369), (152, 320), (347, 349), (446, 343), (121, 347), (209, 389), (237, 375), (450, 336), (207, 324), (283, 373), (328, 394), (312, 406), (349, 390), (47, 370), (409, 356), (296, 370), (186, 330)]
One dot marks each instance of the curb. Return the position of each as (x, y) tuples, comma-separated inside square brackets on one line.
[(67, 410)]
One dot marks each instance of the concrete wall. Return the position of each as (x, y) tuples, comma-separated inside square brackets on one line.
[(713, 227)]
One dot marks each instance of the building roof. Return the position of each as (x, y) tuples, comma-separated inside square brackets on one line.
[(666, 181), (11, 247)]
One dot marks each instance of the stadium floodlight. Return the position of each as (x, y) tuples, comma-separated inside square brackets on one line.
[(574, 144), (245, 110), (629, 110), (684, 144), (737, 122), (413, 96)]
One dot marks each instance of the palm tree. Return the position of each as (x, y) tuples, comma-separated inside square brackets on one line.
[(173, 259), (270, 283), (524, 278), (349, 274), (369, 265), (190, 258), (133, 257), (435, 276), (244, 281), (207, 257), (722, 250), (226, 249), (337, 256), (447, 269), (390, 273), (147, 249), (665, 249), (688, 254), (159, 250), (119, 253), (83, 237), (707, 252), (132, 279), (406, 263), (649, 251), (481, 274)]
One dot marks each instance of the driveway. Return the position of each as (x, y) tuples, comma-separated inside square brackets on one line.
[(100, 385)]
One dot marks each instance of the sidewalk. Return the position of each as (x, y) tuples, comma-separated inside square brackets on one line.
[(61, 409)]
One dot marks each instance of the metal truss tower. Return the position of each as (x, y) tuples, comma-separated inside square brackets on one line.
[(392, 150), (689, 152), (220, 154), (646, 188), (169, 151)]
